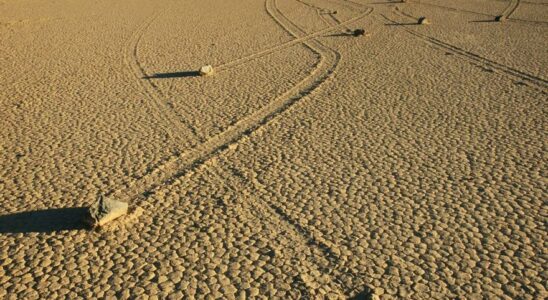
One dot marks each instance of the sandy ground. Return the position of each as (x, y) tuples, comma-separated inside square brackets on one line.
[(409, 163)]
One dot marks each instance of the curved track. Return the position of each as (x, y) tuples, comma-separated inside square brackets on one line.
[(325, 15), (179, 165), (511, 8), (162, 111), (298, 40), (324, 258)]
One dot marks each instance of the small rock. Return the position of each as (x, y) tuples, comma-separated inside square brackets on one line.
[(206, 70), (334, 12), (105, 210), (423, 21), (500, 18)]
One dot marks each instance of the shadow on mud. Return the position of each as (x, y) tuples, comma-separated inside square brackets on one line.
[(484, 21), (173, 75), (402, 24), (366, 294), (344, 34), (48, 220)]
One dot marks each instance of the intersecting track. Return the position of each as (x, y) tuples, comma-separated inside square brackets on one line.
[(325, 15), (269, 214), (511, 8), (470, 56), (323, 258), (299, 40), (178, 165), (161, 109)]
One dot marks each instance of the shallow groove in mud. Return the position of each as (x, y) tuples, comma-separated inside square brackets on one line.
[(512, 6), (324, 14), (178, 165), (508, 11), (225, 66), (133, 63), (323, 256), (453, 9), (472, 57)]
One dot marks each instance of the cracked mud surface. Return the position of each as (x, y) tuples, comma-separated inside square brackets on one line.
[(409, 163)]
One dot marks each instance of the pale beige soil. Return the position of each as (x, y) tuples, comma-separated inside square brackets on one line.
[(409, 163)]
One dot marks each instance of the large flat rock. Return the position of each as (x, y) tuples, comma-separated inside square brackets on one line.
[(105, 210)]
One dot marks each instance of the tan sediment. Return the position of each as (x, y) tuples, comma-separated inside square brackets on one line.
[(311, 165)]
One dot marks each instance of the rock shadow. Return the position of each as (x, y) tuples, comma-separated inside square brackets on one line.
[(182, 74), (44, 221), (349, 33), (402, 24), (342, 34), (366, 294), (484, 21)]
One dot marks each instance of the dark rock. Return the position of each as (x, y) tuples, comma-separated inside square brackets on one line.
[(358, 32), (500, 18)]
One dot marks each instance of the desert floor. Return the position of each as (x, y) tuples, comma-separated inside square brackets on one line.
[(407, 163)]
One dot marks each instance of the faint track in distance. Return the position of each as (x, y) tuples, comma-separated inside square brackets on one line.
[(163, 111), (470, 56)]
